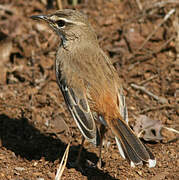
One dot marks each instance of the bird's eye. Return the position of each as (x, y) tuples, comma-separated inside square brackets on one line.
[(60, 23)]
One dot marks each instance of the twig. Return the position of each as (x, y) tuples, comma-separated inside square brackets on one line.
[(150, 55), (139, 4), (143, 89), (162, 4), (59, 4), (171, 129), (156, 108), (147, 80), (151, 34), (74, 2), (176, 27), (147, 8), (63, 163)]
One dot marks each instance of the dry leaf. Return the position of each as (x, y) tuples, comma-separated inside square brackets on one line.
[(148, 129)]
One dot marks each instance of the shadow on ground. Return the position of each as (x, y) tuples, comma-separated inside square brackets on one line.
[(22, 138)]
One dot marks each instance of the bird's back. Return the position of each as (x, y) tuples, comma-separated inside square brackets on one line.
[(102, 86)]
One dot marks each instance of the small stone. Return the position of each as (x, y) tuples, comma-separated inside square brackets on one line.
[(19, 168), (35, 163)]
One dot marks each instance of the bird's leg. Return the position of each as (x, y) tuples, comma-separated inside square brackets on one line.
[(102, 132), (79, 152)]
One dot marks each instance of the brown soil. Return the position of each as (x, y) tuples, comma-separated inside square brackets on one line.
[(33, 134)]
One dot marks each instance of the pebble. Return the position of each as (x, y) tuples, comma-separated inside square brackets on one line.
[(19, 168)]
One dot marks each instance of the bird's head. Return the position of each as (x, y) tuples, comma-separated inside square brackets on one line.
[(69, 24)]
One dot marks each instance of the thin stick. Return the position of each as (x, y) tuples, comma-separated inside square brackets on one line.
[(143, 89), (171, 129), (151, 34), (59, 4), (139, 4), (74, 2), (62, 164), (150, 6), (150, 55), (143, 82), (147, 80), (176, 27), (156, 108), (162, 4)]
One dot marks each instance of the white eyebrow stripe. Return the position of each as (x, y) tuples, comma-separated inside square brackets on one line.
[(72, 22), (68, 21)]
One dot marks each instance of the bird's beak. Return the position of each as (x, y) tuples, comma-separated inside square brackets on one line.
[(37, 17)]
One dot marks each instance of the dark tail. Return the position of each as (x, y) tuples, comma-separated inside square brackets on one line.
[(130, 147)]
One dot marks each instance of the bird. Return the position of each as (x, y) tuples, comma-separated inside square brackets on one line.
[(91, 87)]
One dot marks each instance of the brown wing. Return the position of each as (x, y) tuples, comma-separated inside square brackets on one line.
[(79, 108)]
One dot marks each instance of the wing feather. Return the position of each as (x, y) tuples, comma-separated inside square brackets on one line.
[(78, 106)]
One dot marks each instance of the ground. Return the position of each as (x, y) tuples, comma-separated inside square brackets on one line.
[(143, 44)]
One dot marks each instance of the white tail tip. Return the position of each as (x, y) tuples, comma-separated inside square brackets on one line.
[(152, 163)]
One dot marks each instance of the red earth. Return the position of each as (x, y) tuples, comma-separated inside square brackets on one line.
[(34, 120)]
